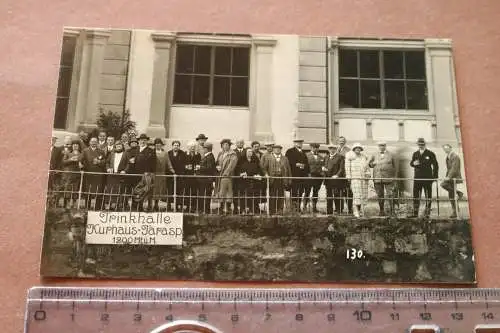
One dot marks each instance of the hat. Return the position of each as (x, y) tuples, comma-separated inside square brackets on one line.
[(75, 142), (277, 146), (314, 145), (201, 137), (133, 140), (158, 141), (420, 141), (298, 140), (207, 145), (357, 145), (381, 143), (269, 144), (143, 137), (118, 142), (223, 141)]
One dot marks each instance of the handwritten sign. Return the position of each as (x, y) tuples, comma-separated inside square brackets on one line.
[(134, 228)]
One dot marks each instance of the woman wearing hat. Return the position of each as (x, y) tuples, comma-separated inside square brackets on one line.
[(357, 172)]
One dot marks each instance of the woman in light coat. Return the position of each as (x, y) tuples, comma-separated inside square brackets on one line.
[(357, 172)]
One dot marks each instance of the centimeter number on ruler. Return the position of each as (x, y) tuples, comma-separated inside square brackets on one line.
[(265, 310)]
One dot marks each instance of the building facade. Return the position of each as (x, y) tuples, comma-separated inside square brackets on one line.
[(262, 87)]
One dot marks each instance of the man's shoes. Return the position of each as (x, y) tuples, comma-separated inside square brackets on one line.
[(460, 195)]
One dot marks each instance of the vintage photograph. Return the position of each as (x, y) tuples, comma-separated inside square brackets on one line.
[(251, 157)]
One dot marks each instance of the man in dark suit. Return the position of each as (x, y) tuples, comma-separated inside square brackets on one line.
[(178, 159), (207, 168), (238, 192), (316, 162), (93, 160), (192, 165), (117, 164), (426, 172), (299, 166), (453, 177), (144, 163), (335, 181)]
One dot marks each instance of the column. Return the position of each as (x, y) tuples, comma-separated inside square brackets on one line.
[(441, 86), (158, 126), (71, 123), (333, 91), (262, 88), (90, 77)]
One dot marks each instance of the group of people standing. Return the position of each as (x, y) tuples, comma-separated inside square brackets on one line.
[(240, 178)]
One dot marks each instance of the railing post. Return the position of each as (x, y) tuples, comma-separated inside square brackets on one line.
[(80, 190), (455, 196), (175, 193), (268, 196), (437, 196)]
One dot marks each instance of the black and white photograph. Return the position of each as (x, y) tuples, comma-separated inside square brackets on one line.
[(256, 157)]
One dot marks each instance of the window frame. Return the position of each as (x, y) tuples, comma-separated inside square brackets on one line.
[(376, 45), (214, 40)]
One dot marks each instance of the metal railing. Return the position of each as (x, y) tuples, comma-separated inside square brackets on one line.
[(255, 195)]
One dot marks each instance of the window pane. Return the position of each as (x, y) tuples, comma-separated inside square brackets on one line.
[(393, 65), (222, 61), (68, 51), (370, 94), (369, 64), (394, 95), (417, 95), (61, 113), (239, 91), (241, 61), (201, 90), (202, 57), (64, 84), (182, 89), (415, 65), (221, 90), (348, 93), (348, 63), (184, 59)]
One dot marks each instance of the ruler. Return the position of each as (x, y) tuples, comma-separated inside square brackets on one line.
[(146, 310)]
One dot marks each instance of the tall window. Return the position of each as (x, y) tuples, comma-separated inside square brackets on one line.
[(382, 79), (64, 85), (212, 75)]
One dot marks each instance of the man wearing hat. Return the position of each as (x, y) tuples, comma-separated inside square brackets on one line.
[(426, 169), (343, 149), (163, 168), (94, 162), (335, 182), (200, 140), (268, 153), (384, 167), (299, 166), (205, 183), (277, 167), (316, 163), (453, 177), (238, 192), (144, 163), (226, 165)]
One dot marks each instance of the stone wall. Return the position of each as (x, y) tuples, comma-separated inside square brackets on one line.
[(279, 249)]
